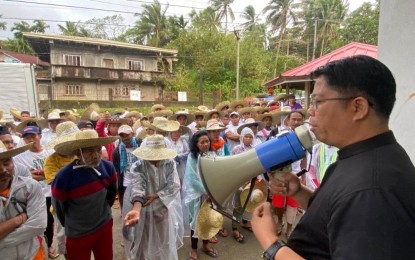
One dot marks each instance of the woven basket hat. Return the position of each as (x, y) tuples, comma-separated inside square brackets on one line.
[(258, 196), (155, 149), (5, 154), (65, 131), (249, 122), (209, 221), (83, 139)]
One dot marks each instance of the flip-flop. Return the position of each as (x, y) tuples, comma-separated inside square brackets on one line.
[(211, 252), (239, 238), (223, 233), (213, 240), (53, 255), (193, 258)]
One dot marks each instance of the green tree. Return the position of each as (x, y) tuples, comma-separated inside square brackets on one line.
[(251, 18), (152, 27), (206, 18), (223, 9), (2, 24), (19, 44), (110, 27), (362, 25), (74, 29)]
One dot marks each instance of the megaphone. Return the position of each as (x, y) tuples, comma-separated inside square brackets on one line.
[(223, 175)]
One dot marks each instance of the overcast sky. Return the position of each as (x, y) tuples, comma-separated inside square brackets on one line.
[(16, 10)]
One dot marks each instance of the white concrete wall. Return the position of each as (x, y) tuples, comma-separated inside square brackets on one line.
[(397, 51)]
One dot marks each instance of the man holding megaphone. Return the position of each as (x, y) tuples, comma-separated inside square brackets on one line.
[(364, 208)]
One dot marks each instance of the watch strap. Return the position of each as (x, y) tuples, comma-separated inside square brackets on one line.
[(270, 253)]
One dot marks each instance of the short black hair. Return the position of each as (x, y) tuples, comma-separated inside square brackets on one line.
[(194, 150), (296, 111), (4, 130), (24, 112), (362, 76)]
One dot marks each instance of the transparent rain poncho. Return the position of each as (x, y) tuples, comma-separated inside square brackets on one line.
[(159, 232)]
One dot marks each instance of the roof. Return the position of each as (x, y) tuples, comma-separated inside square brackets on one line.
[(302, 72), (25, 58), (40, 42)]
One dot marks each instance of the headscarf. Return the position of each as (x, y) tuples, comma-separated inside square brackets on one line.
[(244, 132)]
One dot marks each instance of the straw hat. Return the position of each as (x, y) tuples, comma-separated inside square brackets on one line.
[(54, 115), (189, 117), (4, 153), (235, 103), (209, 221), (155, 149), (214, 124), (117, 120), (275, 117), (199, 113), (135, 114), (261, 110), (211, 112), (244, 110), (30, 121), (203, 108), (163, 124), (161, 113), (15, 112), (64, 132), (223, 105), (143, 133), (280, 96), (157, 106), (258, 196), (91, 113), (83, 139), (249, 122)]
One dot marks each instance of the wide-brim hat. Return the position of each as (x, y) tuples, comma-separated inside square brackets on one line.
[(222, 105), (155, 149), (287, 109), (258, 196), (54, 115), (136, 125), (244, 110), (22, 125), (211, 112), (163, 124), (135, 114), (83, 139), (199, 113), (4, 153), (143, 133), (189, 117), (161, 113), (280, 96), (15, 112), (261, 110), (65, 131), (157, 106), (214, 124), (275, 117), (249, 122), (203, 108), (209, 221), (91, 113), (235, 103), (113, 120)]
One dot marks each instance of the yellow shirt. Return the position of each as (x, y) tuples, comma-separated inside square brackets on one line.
[(53, 164)]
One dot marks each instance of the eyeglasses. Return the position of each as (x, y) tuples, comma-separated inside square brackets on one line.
[(314, 102)]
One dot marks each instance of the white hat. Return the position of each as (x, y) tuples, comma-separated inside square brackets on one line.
[(163, 124), (214, 124), (155, 149), (65, 131), (125, 129), (248, 122)]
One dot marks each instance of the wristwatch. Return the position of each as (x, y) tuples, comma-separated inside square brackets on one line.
[(270, 253)]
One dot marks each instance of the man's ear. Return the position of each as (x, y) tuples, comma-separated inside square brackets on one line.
[(361, 107)]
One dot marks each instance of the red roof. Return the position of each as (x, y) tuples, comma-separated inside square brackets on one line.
[(24, 58), (302, 72)]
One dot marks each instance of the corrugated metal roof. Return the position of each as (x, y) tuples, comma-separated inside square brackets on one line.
[(25, 58), (303, 71), (96, 41)]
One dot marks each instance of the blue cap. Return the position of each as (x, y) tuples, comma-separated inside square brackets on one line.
[(31, 130)]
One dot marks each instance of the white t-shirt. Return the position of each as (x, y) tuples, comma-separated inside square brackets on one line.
[(47, 136), (233, 129)]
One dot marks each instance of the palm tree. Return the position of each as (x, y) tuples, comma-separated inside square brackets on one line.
[(205, 18), (250, 16), (152, 27), (223, 9)]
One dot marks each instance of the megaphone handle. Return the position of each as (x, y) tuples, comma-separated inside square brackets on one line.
[(301, 172)]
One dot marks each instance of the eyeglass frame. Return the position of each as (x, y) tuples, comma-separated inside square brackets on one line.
[(314, 102)]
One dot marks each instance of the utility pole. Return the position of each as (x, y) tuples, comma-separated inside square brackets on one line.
[(237, 62), (201, 100)]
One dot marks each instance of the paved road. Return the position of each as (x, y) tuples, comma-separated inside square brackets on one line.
[(227, 247)]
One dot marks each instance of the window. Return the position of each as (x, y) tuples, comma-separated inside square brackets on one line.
[(135, 65), (74, 90), (72, 60), (108, 63), (121, 92)]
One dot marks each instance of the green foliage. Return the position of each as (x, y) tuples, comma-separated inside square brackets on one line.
[(2, 24)]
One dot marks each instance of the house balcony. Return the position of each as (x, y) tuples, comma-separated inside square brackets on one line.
[(64, 71)]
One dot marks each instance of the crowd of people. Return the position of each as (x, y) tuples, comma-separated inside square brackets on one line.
[(60, 177)]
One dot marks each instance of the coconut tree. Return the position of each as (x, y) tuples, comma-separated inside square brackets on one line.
[(206, 18), (250, 16), (2, 24), (223, 9)]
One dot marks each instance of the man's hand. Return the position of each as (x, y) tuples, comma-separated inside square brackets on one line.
[(287, 185), (150, 198), (264, 226), (20, 219), (132, 218)]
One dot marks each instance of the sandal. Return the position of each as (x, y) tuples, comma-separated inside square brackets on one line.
[(52, 254), (213, 240), (223, 232), (193, 258), (211, 252), (239, 238)]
